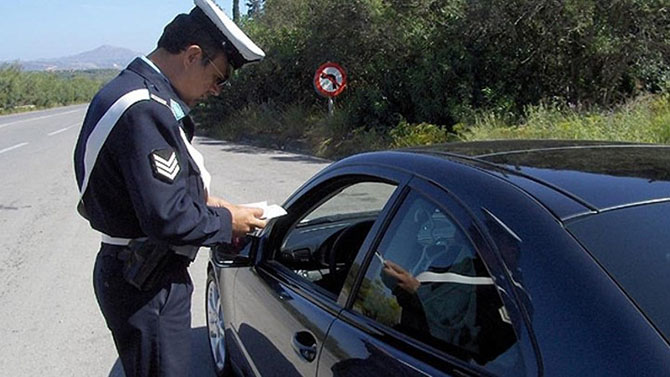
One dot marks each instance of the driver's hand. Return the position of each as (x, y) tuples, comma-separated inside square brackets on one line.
[(405, 280)]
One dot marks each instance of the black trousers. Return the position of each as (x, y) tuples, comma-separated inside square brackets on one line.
[(151, 329)]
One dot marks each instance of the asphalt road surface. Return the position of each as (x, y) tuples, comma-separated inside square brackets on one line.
[(50, 321)]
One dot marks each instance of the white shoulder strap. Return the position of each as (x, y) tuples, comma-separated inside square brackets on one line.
[(103, 128), (199, 160)]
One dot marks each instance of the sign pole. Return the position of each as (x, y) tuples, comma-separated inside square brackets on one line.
[(330, 106)]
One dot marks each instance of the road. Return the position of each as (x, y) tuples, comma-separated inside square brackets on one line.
[(51, 324)]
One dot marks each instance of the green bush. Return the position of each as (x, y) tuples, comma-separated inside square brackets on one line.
[(263, 124), (408, 135), (342, 143)]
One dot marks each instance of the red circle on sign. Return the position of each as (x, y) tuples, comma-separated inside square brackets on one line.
[(330, 79)]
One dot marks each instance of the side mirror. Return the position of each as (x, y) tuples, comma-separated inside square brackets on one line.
[(241, 252)]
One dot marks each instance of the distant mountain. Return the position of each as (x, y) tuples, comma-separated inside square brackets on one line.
[(103, 57)]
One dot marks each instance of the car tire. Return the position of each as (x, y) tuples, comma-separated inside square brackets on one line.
[(215, 327)]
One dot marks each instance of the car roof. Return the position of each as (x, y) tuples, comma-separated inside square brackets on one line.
[(594, 175)]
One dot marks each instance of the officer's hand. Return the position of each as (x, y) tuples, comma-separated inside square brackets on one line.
[(246, 219), (214, 201)]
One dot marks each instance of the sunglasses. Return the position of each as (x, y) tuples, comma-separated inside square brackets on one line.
[(222, 79)]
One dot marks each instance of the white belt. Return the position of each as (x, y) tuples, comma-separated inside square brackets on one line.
[(117, 241)]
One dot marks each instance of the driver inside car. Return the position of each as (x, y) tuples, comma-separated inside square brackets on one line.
[(453, 305)]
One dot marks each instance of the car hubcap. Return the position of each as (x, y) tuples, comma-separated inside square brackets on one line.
[(215, 325)]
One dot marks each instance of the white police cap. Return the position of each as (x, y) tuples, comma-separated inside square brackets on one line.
[(245, 50)]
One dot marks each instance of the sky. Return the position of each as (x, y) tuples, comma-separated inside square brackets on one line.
[(43, 29)]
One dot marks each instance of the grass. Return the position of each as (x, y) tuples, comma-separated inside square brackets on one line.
[(296, 128), (644, 119)]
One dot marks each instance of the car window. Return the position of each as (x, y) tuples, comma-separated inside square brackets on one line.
[(632, 244), (359, 198), (427, 281), (321, 246)]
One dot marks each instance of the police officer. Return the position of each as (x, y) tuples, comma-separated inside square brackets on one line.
[(145, 188)]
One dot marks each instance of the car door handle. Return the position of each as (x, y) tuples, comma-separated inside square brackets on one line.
[(304, 344)]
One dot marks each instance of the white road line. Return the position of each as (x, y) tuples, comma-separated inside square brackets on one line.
[(62, 129), (37, 118), (12, 147), (57, 132)]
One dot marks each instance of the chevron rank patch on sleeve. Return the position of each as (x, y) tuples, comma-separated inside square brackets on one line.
[(165, 164)]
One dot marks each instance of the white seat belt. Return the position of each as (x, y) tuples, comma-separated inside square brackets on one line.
[(450, 277)]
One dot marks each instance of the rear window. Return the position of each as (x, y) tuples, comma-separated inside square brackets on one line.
[(633, 245)]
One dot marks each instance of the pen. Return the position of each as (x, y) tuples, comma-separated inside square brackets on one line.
[(381, 259)]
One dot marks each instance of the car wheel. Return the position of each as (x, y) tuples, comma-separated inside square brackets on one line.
[(215, 327)]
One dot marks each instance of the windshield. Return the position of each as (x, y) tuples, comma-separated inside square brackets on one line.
[(633, 245)]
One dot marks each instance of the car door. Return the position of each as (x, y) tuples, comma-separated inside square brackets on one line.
[(424, 302), (285, 304)]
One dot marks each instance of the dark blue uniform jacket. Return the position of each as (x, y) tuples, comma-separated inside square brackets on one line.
[(131, 195)]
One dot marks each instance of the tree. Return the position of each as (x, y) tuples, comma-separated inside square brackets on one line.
[(44, 89), (236, 11), (442, 61), (255, 7)]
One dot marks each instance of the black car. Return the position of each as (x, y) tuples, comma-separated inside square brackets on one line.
[(505, 258)]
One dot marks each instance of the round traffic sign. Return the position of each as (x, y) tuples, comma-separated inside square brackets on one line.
[(330, 79)]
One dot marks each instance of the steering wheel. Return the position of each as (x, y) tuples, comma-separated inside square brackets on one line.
[(322, 253), (346, 244)]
